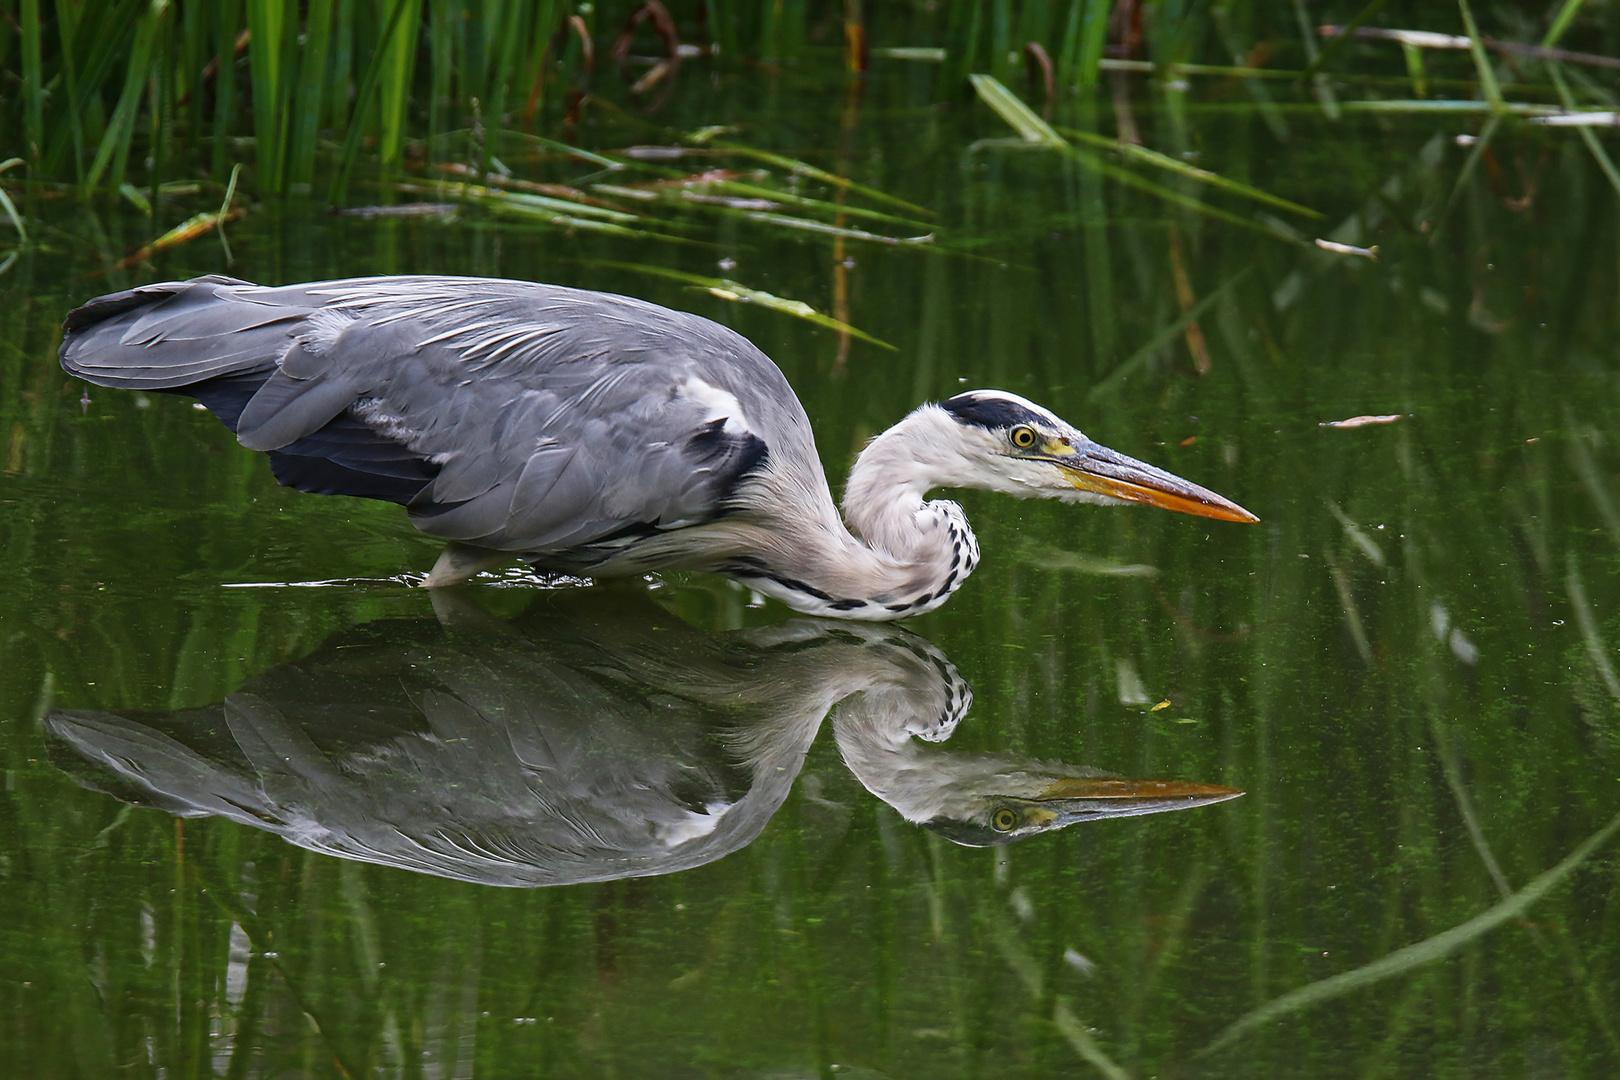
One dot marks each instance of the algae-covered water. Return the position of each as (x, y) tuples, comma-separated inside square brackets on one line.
[(269, 810)]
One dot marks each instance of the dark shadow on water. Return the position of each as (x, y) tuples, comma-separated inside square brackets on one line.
[(584, 741)]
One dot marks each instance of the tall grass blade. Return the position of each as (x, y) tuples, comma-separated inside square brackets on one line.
[(227, 16), (1020, 117), (806, 169), (1162, 340), (33, 83), (1596, 650), (441, 65), (397, 48), (136, 198), (1076, 1035), (101, 44), (726, 289), (10, 207), (1038, 133), (1482, 143), (113, 151), (1560, 23), (1081, 64), (306, 117), (1482, 63), (612, 163), (508, 18), (267, 26), (789, 199), (732, 195), (524, 201), (1412, 956), (805, 225), (1415, 69), (75, 129), (1193, 172), (362, 104), (1595, 148), (1331, 49), (1319, 82), (225, 211)]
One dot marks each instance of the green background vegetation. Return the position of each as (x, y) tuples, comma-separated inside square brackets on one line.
[(1408, 665)]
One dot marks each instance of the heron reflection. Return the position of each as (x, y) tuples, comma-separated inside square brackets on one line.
[(587, 741)]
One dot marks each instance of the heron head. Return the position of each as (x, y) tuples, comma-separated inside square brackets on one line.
[(1004, 443), (1014, 806)]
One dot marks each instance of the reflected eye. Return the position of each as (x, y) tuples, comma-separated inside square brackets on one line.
[(1004, 820), (1022, 436)]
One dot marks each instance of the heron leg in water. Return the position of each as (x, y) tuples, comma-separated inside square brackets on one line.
[(456, 609), (461, 562)]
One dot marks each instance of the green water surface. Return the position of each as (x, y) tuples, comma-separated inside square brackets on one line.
[(1408, 665)]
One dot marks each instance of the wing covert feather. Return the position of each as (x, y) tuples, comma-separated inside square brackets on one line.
[(535, 417)]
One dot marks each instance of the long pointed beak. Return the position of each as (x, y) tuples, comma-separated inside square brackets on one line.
[(1086, 799), (1097, 469)]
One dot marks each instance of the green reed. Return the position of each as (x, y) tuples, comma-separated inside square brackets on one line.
[(102, 92), (1323, 688)]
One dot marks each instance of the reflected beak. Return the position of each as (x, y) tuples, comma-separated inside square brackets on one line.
[(1072, 799), (1097, 469)]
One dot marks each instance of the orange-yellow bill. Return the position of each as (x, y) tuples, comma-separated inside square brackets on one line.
[(1102, 471), (1087, 787)]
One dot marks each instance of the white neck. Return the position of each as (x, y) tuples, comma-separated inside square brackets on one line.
[(893, 554)]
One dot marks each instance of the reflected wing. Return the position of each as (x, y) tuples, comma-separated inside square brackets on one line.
[(506, 414)]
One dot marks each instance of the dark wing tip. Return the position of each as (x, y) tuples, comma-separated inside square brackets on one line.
[(102, 308)]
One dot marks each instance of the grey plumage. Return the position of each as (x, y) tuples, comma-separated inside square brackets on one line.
[(591, 433), (537, 417), (580, 743)]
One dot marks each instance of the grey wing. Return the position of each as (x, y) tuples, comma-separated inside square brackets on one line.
[(509, 415), (566, 464)]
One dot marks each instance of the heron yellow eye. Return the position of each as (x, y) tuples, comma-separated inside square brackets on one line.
[(1023, 436), (1004, 820)]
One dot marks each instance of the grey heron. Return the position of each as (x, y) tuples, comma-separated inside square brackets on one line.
[(583, 742), (593, 434)]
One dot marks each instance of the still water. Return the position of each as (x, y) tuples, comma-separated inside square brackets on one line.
[(270, 811)]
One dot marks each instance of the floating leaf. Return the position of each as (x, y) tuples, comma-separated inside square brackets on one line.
[(184, 232), (909, 52), (1362, 421), (401, 210), (1348, 249)]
